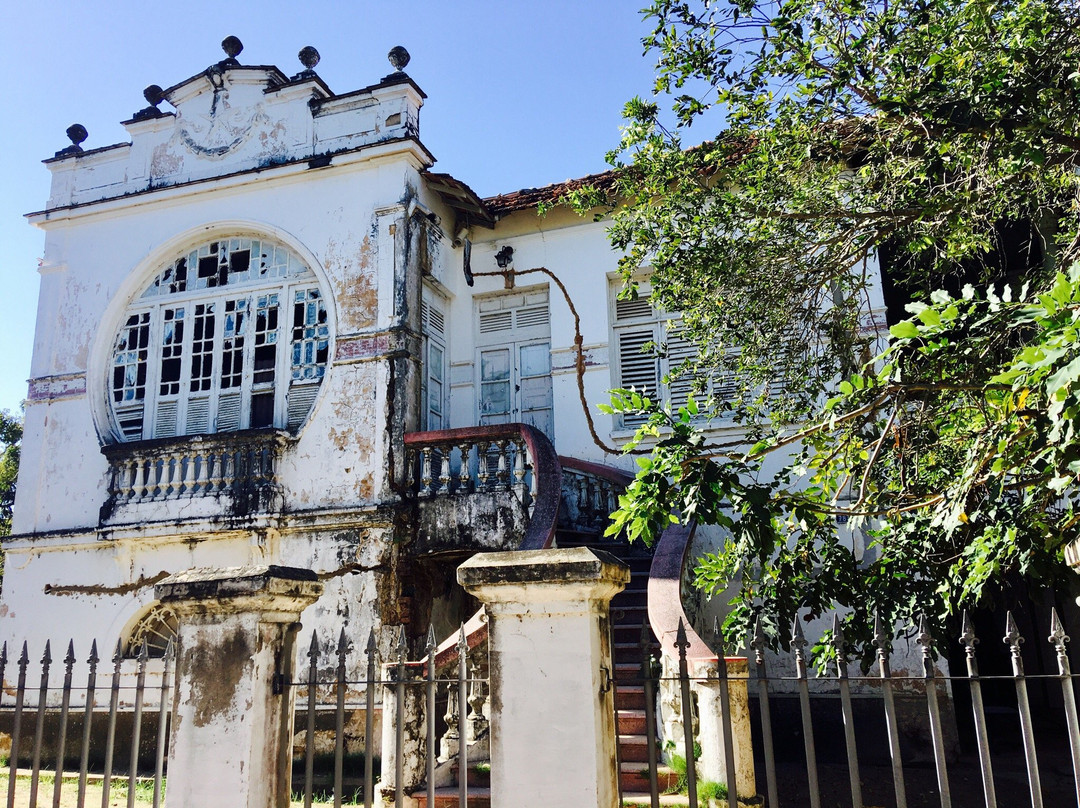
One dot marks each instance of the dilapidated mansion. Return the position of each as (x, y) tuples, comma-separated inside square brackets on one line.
[(269, 333)]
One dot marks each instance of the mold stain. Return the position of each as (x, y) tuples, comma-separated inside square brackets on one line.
[(212, 695)]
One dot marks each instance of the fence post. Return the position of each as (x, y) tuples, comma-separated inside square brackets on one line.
[(552, 722), (230, 745)]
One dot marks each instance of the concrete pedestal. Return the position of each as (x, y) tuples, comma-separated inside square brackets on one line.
[(552, 711), (230, 744)]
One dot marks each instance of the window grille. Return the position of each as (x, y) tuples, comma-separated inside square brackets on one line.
[(198, 351)]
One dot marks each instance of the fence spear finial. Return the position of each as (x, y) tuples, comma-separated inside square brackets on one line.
[(342, 644), (1012, 636), (1013, 639), (838, 641), (923, 638), (370, 648), (93, 659), (117, 654), (1057, 637), (46, 658), (3, 654), (718, 638), (967, 635), (69, 660), (927, 642), (680, 636), (462, 643), (402, 643), (313, 648), (798, 639), (431, 644), (757, 642), (24, 658), (880, 640)]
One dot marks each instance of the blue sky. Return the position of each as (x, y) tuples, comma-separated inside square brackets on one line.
[(520, 93)]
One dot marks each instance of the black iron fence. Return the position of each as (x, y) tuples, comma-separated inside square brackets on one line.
[(1049, 739), (93, 717)]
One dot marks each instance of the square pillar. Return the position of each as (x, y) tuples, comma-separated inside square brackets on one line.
[(552, 705), (230, 745)]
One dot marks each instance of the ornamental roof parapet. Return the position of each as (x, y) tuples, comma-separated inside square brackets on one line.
[(233, 118)]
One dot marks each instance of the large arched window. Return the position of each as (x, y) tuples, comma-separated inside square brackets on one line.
[(231, 335)]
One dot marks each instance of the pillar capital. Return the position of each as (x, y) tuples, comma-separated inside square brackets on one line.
[(276, 594), (577, 574)]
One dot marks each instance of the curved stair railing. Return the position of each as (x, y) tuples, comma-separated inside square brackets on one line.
[(492, 460), (590, 494), (715, 689)]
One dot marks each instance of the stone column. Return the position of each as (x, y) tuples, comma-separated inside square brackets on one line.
[(552, 709), (230, 744), (713, 762)]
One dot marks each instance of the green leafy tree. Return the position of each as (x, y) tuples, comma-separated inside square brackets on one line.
[(10, 441), (849, 131)]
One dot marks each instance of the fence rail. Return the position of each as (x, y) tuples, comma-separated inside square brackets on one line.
[(809, 788), (83, 700)]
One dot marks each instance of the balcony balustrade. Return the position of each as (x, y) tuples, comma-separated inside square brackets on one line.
[(240, 466)]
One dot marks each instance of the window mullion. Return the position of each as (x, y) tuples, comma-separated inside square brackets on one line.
[(153, 373), (217, 367), (283, 373), (247, 376)]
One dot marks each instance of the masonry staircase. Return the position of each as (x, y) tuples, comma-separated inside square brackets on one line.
[(629, 613), (579, 505)]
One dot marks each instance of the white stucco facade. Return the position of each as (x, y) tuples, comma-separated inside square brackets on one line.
[(344, 184)]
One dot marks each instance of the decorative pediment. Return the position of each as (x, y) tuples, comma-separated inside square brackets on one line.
[(233, 118)]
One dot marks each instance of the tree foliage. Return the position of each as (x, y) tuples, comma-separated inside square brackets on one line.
[(10, 441), (852, 129)]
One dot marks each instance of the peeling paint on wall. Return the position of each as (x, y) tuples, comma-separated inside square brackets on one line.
[(352, 270)]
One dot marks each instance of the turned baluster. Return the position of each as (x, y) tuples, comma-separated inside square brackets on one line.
[(213, 471), (131, 478), (482, 465), (464, 476), (444, 470), (187, 477), (450, 743), (519, 469), (425, 470), (478, 722), (502, 471)]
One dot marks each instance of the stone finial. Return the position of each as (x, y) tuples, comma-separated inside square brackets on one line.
[(153, 95), (232, 46), (76, 134), (399, 57), (309, 57)]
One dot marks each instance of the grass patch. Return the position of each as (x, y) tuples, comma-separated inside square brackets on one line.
[(69, 791)]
